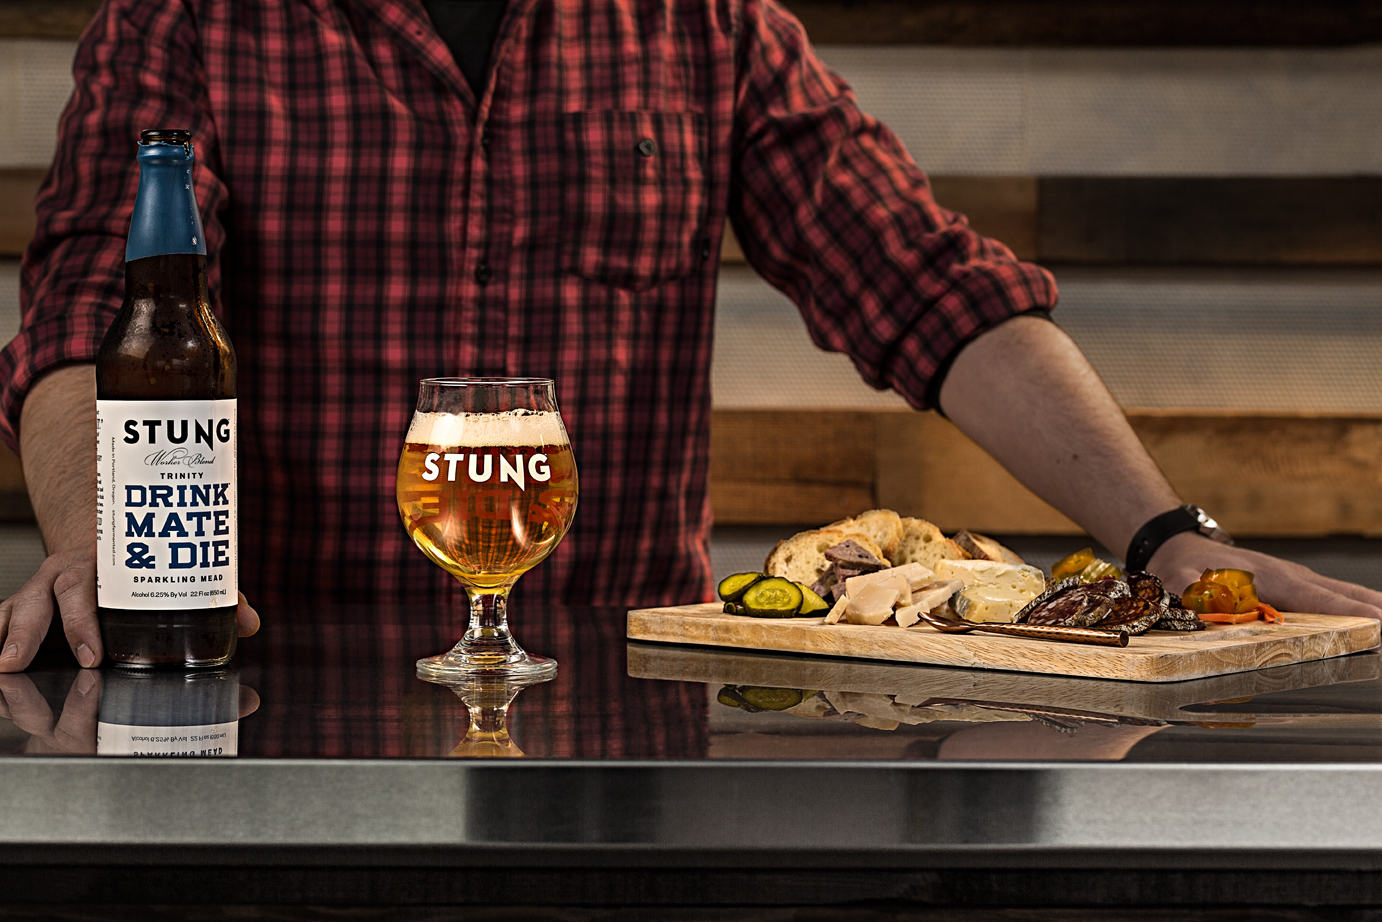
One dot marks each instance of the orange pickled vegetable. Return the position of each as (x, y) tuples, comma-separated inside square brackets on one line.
[(1233, 579), (1270, 615), (1206, 597), (1229, 617), (1072, 564)]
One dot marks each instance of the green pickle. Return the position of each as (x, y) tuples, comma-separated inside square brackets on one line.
[(735, 608), (772, 699), (754, 698), (811, 603), (773, 597), (731, 588)]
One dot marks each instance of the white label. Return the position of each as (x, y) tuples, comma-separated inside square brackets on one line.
[(166, 529), (209, 741)]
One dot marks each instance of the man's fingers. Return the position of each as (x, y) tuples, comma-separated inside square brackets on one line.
[(247, 617), (75, 590), (30, 610), (1313, 595)]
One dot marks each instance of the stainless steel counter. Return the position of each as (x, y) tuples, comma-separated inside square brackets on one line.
[(640, 784)]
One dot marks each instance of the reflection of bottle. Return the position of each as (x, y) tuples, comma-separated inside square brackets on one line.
[(191, 713), (165, 424)]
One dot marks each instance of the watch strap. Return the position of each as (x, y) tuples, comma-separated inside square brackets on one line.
[(1151, 536)]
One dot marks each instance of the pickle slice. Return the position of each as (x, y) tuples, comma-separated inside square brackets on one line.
[(773, 597), (731, 588), (772, 699), (811, 603), (735, 608)]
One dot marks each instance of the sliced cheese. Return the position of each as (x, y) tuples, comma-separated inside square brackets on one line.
[(890, 577), (873, 602), (837, 611), (908, 615)]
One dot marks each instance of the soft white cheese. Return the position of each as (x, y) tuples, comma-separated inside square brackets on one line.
[(986, 604)]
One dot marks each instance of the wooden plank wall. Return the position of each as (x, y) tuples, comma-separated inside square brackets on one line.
[(1283, 474), (1274, 475)]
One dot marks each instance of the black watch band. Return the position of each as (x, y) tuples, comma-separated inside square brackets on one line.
[(1154, 534)]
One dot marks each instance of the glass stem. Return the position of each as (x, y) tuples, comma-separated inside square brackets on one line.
[(487, 639)]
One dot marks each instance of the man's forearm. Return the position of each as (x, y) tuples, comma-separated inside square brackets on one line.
[(1026, 394), (57, 440)]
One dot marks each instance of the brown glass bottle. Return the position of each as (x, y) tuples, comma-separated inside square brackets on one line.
[(165, 390)]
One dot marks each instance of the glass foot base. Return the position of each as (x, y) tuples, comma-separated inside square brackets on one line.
[(454, 667)]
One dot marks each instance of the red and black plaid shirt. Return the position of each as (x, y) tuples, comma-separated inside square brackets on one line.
[(372, 223)]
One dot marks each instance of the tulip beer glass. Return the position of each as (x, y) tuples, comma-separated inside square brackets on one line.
[(486, 488)]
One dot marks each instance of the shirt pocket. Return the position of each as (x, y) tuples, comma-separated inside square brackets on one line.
[(633, 196)]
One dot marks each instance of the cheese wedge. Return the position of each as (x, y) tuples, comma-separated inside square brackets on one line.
[(988, 604), (993, 591)]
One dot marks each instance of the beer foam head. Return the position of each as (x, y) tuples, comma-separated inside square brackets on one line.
[(500, 430)]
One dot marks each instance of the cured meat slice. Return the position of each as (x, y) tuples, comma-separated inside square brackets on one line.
[(1131, 616), (853, 555), (1175, 624), (1075, 604)]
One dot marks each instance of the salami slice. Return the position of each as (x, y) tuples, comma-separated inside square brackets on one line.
[(1074, 604)]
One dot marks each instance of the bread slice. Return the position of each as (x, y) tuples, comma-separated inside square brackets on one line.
[(802, 556), (882, 525), (982, 547), (924, 543)]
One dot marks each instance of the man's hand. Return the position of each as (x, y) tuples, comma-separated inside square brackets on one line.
[(67, 580), (57, 438), (1280, 583), (1026, 394)]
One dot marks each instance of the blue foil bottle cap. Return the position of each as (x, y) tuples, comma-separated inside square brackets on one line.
[(166, 218)]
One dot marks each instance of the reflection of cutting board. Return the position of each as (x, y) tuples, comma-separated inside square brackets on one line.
[(1158, 656), (1161, 701)]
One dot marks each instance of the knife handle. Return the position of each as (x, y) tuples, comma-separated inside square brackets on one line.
[(1056, 632)]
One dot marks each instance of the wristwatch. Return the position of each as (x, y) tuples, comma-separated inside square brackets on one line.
[(1151, 536)]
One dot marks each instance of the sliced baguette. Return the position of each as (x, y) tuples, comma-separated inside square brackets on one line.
[(982, 547), (882, 525), (802, 556), (925, 544)]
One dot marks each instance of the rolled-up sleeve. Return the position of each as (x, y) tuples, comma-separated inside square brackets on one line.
[(136, 67), (830, 208)]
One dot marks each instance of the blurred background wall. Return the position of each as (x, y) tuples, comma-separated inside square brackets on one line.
[(1205, 183)]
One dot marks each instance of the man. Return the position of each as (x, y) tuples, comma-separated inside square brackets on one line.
[(379, 209)]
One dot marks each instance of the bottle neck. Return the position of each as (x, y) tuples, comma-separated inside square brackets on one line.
[(166, 219), (155, 279)]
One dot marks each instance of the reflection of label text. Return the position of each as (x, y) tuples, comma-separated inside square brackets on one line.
[(204, 741)]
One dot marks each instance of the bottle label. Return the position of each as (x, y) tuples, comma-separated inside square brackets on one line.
[(166, 529), (209, 741)]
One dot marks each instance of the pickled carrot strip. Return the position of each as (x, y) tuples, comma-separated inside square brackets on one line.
[(1229, 617), (1270, 615)]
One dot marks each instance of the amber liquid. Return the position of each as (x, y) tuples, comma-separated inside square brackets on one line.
[(165, 344), (486, 534)]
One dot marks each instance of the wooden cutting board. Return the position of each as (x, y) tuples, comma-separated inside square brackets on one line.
[(1157, 656)]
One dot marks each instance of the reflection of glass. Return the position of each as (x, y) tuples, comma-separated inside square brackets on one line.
[(487, 488), (487, 737), (192, 713)]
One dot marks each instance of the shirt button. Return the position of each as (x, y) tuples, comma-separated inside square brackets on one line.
[(647, 147), (483, 273), (485, 138)]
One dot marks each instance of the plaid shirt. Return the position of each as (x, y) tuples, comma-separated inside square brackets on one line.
[(370, 223)]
